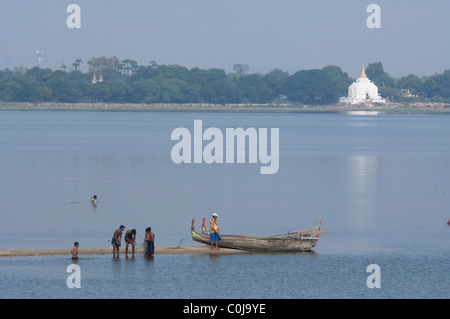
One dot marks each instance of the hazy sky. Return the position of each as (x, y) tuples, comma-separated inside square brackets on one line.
[(265, 34)]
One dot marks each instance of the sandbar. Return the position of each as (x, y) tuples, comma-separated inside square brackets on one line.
[(90, 251)]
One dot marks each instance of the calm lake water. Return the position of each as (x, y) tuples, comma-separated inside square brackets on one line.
[(379, 184)]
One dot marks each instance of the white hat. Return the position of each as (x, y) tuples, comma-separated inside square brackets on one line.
[(215, 214)]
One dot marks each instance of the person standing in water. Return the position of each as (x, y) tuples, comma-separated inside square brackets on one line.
[(94, 200), (74, 251), (130, 239), (116, 240), (150, 241)]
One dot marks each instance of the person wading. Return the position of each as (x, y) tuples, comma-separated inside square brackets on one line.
[(116, 240)]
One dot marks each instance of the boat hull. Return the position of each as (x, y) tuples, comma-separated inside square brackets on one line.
[(294, 243)]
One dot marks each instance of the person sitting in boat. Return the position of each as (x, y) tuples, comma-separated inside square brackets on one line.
[(214, 231)]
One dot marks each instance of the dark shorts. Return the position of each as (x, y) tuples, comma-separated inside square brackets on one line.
[(114, 242)]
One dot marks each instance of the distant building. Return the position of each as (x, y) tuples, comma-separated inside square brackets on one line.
[(362, 91), (94, 79), (407, 93)]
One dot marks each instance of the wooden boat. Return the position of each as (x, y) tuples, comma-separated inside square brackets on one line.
[(296, 241)]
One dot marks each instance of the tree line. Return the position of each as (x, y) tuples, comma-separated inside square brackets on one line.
[(127, 82)]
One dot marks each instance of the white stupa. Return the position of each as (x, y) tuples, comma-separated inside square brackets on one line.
[(362, 91)]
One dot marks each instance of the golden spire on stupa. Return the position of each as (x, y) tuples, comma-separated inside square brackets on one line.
[(363, 73)]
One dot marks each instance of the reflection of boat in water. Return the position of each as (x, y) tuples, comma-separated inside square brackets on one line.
[(296, 241)]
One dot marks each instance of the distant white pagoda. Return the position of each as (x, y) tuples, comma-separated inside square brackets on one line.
[(94, 79), (362, 91)]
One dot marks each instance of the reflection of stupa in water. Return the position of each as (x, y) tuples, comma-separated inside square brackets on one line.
[(362, 188), (362, 91)]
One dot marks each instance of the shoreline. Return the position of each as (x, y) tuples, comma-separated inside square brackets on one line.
[(413, 108), (138, 251)]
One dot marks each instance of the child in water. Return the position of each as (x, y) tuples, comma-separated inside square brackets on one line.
[(74, 251)]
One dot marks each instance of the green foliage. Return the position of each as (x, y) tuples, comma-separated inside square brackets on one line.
[(315, 86), (127, 82), (378, 76), (412, 83), (438, 85)]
